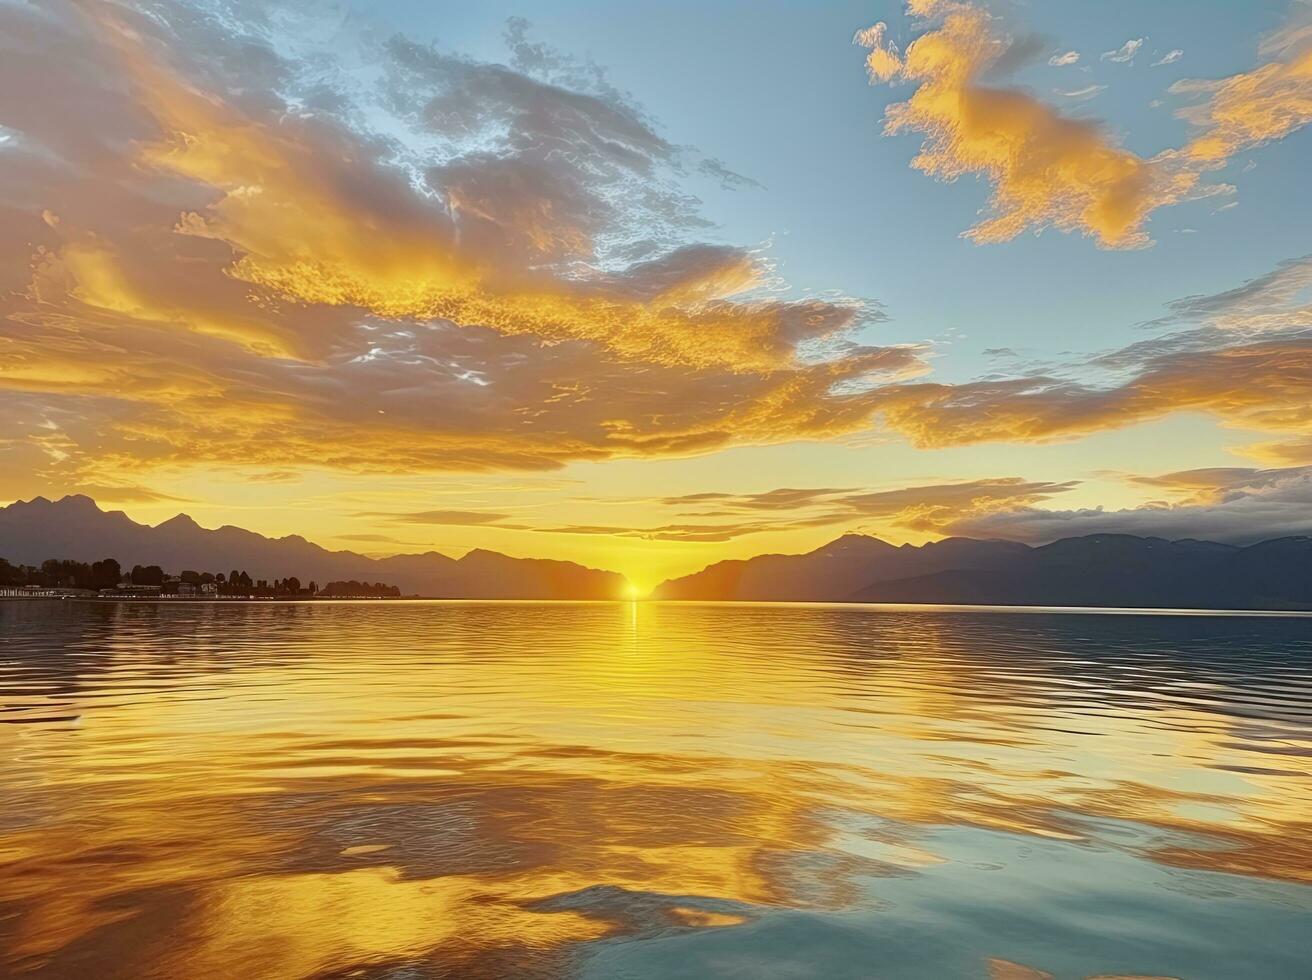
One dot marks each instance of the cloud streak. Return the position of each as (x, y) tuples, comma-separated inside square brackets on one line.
[(1256, 107), (1125, 54), (1247, 360), (927, 508), (1232, 505), (1229, 504)]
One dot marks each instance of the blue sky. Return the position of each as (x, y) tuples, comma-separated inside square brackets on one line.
[(778, 92)]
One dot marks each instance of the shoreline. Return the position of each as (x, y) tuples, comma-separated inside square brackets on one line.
[(195, 599), (911, 607)]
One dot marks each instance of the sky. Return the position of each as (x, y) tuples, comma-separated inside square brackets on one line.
[(646, 286)]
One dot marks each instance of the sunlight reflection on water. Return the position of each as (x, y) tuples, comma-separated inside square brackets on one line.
[(650, 790)]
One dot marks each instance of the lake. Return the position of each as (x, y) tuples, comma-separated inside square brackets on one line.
[(644, 790)]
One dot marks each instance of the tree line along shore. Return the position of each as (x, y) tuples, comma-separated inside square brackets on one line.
[(107, 579)]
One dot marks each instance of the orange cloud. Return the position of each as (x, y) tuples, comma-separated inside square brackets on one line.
[(1255, 107), (926, 509), (216, 266), (1282, 452), (1265, 386), (1049, 170), (1046, 168), (1247, 361), (312, 215)]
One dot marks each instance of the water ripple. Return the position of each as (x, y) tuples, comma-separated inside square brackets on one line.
[(650, 790)]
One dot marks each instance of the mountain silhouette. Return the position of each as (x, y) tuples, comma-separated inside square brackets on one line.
[(1094, 570), (76, 528)]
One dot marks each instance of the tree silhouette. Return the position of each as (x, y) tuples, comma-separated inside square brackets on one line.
[(147, 575), (105, 574)]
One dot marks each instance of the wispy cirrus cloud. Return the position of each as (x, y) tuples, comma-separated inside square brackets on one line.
[(456, 517), (1255, 107), (1126, 53), (377, 539), (1280, 300), (1228, 504), (128, 494), (689, 533), (717, 516), (723, 516), (1083, 93), (1243, 356), (925, 508), (1170, 58)]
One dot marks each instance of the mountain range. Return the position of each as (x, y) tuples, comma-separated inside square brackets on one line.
[(1093, 570), (76, 528)]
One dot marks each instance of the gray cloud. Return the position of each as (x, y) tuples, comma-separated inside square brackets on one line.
[(1229, 504)]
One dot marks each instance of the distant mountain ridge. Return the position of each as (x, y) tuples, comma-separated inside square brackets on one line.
[(1095, 570), (75, 527)]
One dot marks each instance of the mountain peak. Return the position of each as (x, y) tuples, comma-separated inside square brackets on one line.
[(1094, 570), (76, 528), (853, 542), (77, 500), (73, 503), (179, 522)]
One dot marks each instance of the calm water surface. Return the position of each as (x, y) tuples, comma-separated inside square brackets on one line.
[(469, 790)]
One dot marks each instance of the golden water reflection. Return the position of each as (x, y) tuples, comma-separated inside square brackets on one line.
[(503, 789)]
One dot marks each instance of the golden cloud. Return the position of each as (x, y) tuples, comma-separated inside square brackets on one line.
[(1046, 168), (927, 509), (215, 266), (215, 262), (1259, 106), (1282, 452), (1246, 360), (1050, 170), (1265, 386), (292, 205)]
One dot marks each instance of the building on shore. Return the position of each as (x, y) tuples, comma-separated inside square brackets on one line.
[(43, 592), (126, 590)]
